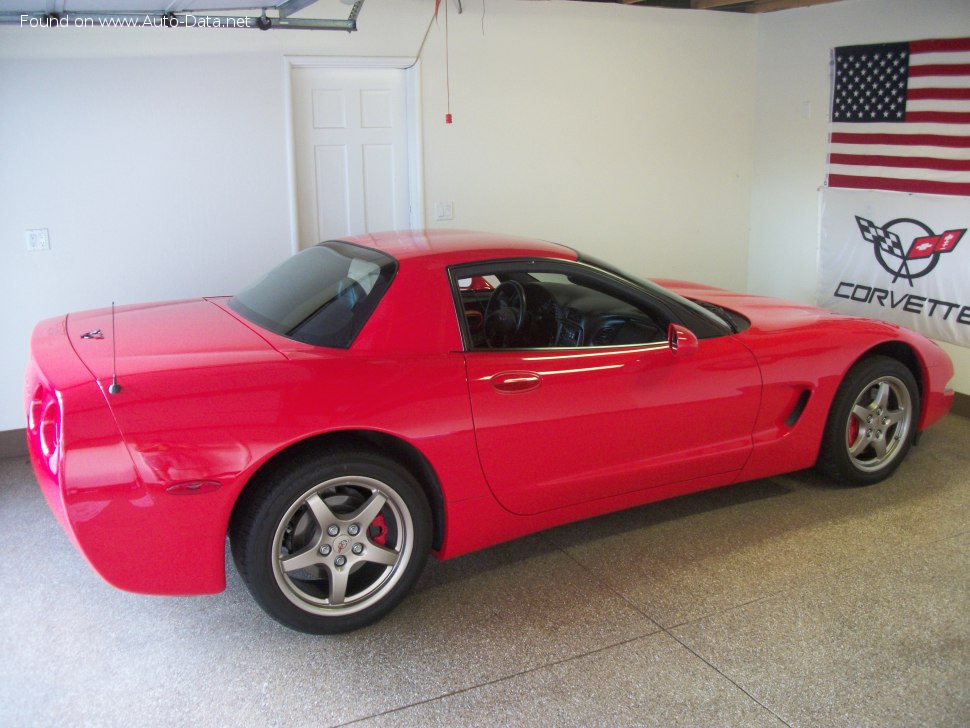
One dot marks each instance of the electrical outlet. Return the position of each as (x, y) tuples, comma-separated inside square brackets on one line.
[(38, 239), (444, 211)]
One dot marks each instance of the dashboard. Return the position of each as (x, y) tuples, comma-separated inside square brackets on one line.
[(567, 315)]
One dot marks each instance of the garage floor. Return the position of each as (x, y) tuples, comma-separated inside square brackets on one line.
[(779, 602)]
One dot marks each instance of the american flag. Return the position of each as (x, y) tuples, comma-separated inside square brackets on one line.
[(901, 117)]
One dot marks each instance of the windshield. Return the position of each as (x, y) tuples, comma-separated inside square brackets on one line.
[(723, 324), (321, 296)]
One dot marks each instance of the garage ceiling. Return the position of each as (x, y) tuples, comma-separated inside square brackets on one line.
[(736, 6), (294, 14), (187, 6)]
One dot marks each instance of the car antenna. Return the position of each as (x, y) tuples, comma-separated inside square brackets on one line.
[(115, 387)]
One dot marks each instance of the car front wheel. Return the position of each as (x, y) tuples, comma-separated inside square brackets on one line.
[(872, 422), (332, 543)]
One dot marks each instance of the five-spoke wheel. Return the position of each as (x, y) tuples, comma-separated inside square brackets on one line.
[(871, 423), (334, 543), (879, 423)]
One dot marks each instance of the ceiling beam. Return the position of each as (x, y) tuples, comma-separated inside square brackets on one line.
[(767, 6), (715, 4), (657, 3), (755, 6), (739, 6)]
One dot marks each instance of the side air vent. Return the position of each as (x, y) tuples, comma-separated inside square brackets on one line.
[(799, 408), (605, 335)]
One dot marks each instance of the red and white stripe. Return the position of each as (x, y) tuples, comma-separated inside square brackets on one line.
[(930, 152)]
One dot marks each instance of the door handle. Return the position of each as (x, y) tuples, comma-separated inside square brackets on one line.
[(516, 382)]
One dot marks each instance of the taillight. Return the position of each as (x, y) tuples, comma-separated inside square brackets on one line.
[(34, 410), (50, 432)]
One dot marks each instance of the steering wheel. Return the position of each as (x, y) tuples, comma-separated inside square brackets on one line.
[(504, 314)]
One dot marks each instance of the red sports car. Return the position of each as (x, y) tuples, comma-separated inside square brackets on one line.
[(377, 398)]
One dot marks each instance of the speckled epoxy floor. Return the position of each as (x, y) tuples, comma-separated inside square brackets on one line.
[(779, 602)]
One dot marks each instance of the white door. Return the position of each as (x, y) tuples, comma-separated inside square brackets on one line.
[(350, 130)]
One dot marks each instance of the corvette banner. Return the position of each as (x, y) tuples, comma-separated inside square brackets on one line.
[(897, 257), (895, 207)]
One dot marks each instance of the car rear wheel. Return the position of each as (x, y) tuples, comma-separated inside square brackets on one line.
[(332, 543), (872, 422)]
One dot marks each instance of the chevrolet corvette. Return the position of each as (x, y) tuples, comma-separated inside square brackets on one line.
[(380, 398)]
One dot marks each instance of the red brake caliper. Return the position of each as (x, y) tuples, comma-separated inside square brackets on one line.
[(853, 429), (378, 530)]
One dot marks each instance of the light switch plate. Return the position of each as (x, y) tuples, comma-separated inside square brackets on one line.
[(444, 211), (38, 239)]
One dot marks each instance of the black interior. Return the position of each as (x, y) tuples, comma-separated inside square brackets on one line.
[(555, 315)]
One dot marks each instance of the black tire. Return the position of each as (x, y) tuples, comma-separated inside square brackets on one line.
[(324, 583), (872, 422)]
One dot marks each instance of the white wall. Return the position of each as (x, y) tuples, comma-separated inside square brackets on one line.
[(623, 131), (157, 160), (791, 139), (157, 157)]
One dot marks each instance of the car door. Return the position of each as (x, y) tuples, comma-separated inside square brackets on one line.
[(557, 426)]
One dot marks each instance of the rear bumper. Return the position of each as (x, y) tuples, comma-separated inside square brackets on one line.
[(135, 539)]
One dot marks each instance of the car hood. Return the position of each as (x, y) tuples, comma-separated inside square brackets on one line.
[(765, 314), (154, 337)]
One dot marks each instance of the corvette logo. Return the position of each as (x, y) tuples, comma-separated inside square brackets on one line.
[(918, 257), (904, 260)]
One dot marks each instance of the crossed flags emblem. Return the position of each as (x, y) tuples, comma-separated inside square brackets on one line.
[(922, 247)]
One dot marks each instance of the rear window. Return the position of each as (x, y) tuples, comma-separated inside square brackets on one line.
[(321, 296)]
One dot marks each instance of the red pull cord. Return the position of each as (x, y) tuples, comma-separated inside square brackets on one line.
[(448, 117)]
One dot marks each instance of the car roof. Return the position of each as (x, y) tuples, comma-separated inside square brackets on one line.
[(453, 247)]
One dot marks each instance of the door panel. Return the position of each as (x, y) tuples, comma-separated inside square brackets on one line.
[(332, 190), (560, 427), (351, 152), (379, 187)]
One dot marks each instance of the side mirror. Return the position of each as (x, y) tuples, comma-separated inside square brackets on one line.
[(682, 341)]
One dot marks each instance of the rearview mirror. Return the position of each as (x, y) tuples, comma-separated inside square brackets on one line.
[(682, 341)]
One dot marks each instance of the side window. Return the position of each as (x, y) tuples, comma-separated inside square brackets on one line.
[(523, 306), (321, 296)]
